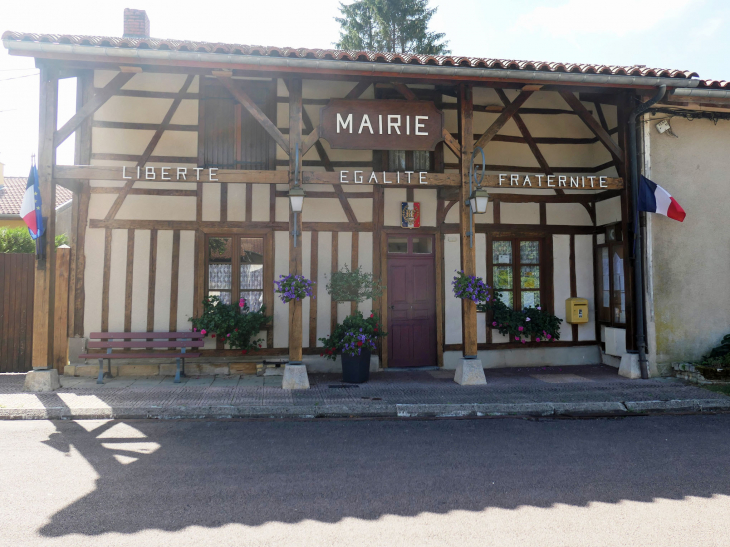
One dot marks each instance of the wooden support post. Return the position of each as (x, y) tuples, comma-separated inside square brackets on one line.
[(60, 336), (45, 270), (295, 253), (468, 255)]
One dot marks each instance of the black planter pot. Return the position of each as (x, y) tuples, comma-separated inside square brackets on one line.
[(356, 368)]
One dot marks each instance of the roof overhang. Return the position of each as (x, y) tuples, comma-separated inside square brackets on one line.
[(115, 56)]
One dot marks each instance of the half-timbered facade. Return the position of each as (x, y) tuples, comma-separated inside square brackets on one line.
[(184, 149)]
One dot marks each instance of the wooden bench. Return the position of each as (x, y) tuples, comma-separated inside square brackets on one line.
[(131, 341)]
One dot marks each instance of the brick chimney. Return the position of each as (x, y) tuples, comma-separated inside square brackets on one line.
[(136, 23)]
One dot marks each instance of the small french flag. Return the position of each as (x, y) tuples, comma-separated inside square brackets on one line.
[(30, 209), (655, 199)]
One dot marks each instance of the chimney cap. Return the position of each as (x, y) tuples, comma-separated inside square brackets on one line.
[(136, 23)]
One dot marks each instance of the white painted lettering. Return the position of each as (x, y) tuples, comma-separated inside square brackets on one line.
[(409, 173), (343, 177), (583, 182), (539, 180), (386, 181), (591, 179), (213, 172), (373, 176), (124, 173), (365, 121), (408, 125), (149, 173), (418, 126), (380, 124), (603, 182), (526, 181), (347, 122), (182, 172), (397, 177), (138, 175), (422, 177), (514, 180), (358, 180), (502, 177), (197, 172), (550, 178), (574, 182), (394, 123), (562, 180), (165, 173)]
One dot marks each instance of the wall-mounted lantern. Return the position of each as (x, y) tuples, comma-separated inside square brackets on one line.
[(478, 197)]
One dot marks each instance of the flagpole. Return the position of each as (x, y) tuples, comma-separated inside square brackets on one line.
[(639, 231)]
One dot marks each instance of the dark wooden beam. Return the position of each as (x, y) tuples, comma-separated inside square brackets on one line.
[(359, 89), (592, 124), (503, 118), (255, 111), (101, 97)]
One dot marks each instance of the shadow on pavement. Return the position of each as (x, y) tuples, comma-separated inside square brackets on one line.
[(252, 472)]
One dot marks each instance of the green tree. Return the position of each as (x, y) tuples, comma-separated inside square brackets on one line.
[(18, 240), (395, 26)]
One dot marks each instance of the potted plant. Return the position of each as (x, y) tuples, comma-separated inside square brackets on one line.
[(353, 286), (523, 325), (354, 340), (236, 325), (293, 287)]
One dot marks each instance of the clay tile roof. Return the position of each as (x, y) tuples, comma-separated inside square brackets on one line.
[(12, 192), (356, 56)]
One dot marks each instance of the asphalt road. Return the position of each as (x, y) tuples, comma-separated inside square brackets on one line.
[(632, 481)]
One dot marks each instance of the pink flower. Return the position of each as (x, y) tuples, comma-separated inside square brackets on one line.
[(549, 337), (242, 302), (537, 339), (203, 332), (523, 341), (195, 329), (494, 324), (538, 308), (520, 329), (228, 335), (517, 338)]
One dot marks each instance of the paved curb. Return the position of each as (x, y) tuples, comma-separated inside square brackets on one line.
[(472, 410)]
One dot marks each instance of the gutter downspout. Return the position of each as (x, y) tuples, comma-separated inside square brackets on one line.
[(639, 231)]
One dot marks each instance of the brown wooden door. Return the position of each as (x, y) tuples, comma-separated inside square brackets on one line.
[(412, 302)]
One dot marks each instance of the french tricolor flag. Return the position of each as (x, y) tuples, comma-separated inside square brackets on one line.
[(655, 199), (30, 209)]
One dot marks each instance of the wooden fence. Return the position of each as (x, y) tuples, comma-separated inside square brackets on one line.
[(16, 311)]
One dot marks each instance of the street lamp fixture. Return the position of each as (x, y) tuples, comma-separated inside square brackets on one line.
[(478, 197)]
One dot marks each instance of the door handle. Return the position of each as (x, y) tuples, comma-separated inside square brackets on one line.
[(392, 307)]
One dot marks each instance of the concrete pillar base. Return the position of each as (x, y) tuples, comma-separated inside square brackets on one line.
[(41, 380), (295, 377), (629, 367), (470, 372)]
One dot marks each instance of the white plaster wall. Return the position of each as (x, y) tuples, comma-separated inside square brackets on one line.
[(120, 141), (281, 310), (344, 256), (186, 280), (93, 280), (324, 257), (531, 357), (608, 211), (363, 209), (365, 261), (140, 280), (282, 209), (480, 249), (177, 143), (237, 202), (571, 214), (117, 280), (211, 202), (135, 110), (140, 207), (519, 213), (452, 305), (561, 276), (306, 243), (393, 198), (261, 202), (322, 210), (163, 274), (428, 200), (99, 205), (584, 283)]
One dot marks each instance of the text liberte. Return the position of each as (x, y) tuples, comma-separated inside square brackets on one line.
[(165, 173)]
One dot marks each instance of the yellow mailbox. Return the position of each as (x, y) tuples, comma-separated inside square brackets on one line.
[(576, 310)]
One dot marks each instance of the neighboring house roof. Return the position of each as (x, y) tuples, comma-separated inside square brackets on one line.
[(355, 56), (12, 192)]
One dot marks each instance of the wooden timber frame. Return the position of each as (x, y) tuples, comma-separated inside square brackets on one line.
[(301, 133)]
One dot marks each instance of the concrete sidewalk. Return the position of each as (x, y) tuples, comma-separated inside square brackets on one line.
[(549, 391)]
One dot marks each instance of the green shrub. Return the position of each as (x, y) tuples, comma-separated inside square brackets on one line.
[(236, 324), (353, 285), (18, 240), (522, 325)]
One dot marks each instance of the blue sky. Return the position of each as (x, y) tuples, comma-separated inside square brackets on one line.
[(684, 34)]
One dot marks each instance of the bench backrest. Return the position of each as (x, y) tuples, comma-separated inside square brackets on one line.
[(109, 340)]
